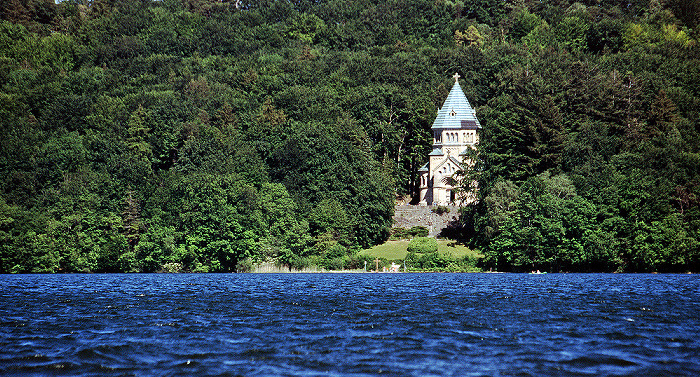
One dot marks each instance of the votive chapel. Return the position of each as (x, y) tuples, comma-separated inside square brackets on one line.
[(455, 131)]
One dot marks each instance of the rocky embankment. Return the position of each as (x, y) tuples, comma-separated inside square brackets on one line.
[(408, 216)]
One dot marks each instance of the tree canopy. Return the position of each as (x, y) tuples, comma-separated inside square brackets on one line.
[(193, 135)]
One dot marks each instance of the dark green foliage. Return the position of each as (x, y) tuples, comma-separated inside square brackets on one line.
[(438, 262), (402, 233), (585, 159), (423, 245), (207, 136), (418, 231), (441, 210)]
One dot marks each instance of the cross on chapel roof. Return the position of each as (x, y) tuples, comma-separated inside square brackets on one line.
[(456, 112)]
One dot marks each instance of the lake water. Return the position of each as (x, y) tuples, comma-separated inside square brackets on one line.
[(350, 324)]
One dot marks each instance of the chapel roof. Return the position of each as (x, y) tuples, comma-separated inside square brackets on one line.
[(456, 112), (436, 152), (455, 161), (451, 159)]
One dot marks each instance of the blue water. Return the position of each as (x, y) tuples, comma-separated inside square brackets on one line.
[(350, 324)]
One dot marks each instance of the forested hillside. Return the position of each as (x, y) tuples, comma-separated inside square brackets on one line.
[(203, 135)]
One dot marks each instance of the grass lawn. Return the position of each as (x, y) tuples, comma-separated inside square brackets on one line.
[(396, 250)]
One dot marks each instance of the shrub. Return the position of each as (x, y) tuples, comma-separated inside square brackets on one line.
[(398, 233), (336, 251), (470, 261), (418, 231), (244, 265), (411, 258), (441, 210), (334, 263), (422, 245), (357, 262), (299, 263), (434, 260), (403, 233)]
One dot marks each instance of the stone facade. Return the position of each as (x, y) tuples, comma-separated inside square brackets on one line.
[(455, 131)]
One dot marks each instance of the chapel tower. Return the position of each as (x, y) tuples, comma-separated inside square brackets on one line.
[(454, 132)]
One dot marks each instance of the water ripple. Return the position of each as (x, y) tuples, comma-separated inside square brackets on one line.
[(350, 324)]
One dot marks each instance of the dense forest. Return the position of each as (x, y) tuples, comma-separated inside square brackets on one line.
[(205, 135)]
